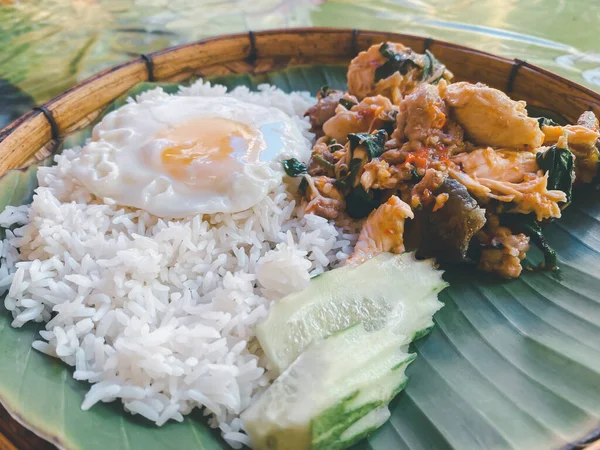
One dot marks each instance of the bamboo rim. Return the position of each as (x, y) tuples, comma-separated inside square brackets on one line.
[(34, 136)]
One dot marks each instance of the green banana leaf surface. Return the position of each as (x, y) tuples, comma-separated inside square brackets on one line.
[(510, 365)]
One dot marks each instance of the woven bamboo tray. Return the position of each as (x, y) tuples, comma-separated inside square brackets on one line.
[(34, 135)]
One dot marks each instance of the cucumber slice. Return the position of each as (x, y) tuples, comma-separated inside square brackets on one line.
[(333, 394), (388, 289), (363, 427)]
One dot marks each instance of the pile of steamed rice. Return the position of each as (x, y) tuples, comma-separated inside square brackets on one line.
[(161, 314)]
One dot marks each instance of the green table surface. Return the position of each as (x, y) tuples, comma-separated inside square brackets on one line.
[(46, 46)]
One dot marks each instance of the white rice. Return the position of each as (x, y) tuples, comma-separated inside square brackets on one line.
[(161, 314)]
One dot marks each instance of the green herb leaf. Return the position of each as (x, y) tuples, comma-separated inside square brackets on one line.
[(528, 225), (396, 62), (348, 180), (323, 91), (360, 203), (374, 142), (433, 70), (323, 162), (390, 125), (385, 51), (415, 176), (559, 164), (347, 103), (294, 168), (303, 186), (546, 122), (536, 234), (429, 64)]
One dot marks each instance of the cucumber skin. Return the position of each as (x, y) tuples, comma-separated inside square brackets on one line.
[(334, 442), (422, 333), (327, 430)]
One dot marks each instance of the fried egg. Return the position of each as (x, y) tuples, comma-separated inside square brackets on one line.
[(175, 156)]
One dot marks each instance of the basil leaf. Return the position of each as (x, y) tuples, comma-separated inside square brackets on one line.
[(303, 186), (390, 125), (360, 203), (348, 179), (323, 92), (347, 103), (432, 68), (430, 62), (374, 142), (558, 163), (323, 162), (415, 176), (536, 234), (396, 62), (527, 225), (545, 122), (385, 51), (294, 168)]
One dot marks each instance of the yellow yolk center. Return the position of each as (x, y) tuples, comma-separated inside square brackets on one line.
[(203, 149)]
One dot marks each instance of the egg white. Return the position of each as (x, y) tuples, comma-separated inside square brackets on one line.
[(122, 160)]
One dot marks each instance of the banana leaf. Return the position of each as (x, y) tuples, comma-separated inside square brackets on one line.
[(510, 364)]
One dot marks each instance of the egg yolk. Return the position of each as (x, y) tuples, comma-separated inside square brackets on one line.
[(211, 145)]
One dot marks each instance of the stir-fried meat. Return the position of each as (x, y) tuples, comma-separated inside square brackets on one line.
[(502, 251), (424, 117), (361, 71), (577, 135), (397, 85), (589, 120), (490, 117), (378, 174), (529, 196), (323, 159), (370, 114), (422, 192), (421, 113), (394, 156), (343, 161), (446, 227), (392, 70), (582, 140), (499, 165), (323, 111), (383, 231), (325, 199)]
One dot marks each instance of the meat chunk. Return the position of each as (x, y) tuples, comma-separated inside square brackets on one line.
[(502, 251), (589, 120), (582, 140), (323, 110), (529, 196), (383, 231), (445, 232), (361, 71), (500, 165), (422, 192), (378, 174), (325, 199), (371, 113), (424, 117), (392, 70), (490, 117), (323, 159)]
